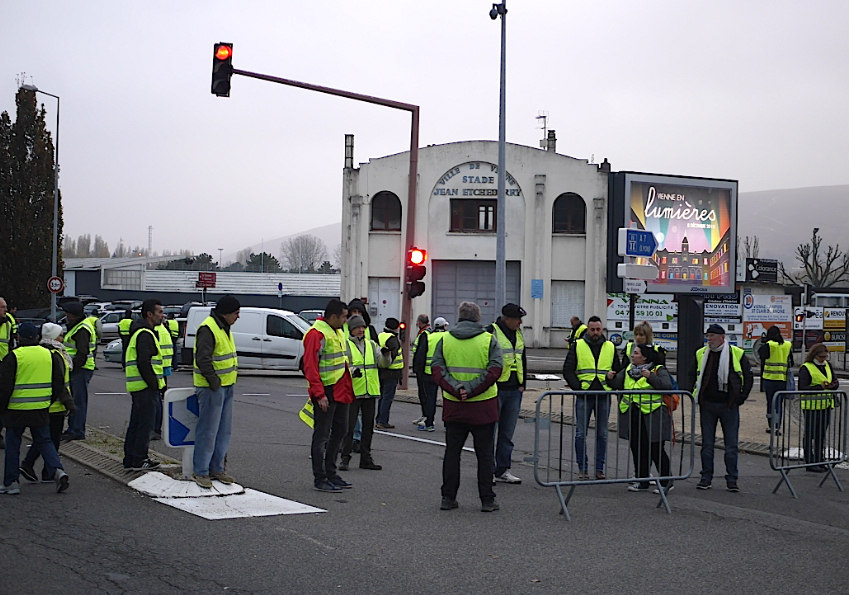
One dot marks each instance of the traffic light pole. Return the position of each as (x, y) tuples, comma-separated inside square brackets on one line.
[(406, 303)]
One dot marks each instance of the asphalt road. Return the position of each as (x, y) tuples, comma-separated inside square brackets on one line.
[(387, 535)]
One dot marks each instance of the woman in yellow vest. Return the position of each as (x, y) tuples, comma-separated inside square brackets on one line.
[(391, 376), (777, 359), (643, 419), (643, 335), (816, 375)]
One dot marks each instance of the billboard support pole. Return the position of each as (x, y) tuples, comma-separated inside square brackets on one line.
[(632, 304), (690, 333)]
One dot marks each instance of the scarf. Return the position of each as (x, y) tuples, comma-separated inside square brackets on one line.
[(57, 346), (637, 371), (721, 369)]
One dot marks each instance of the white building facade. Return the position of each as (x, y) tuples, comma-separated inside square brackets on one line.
[(556, 234)]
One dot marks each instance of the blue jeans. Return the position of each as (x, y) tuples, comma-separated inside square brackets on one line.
[(212, 434), (770, 388), (584, 408), (729, 419), (358, 428), (509, 404), (40, 441), (388, 387), (79, 391)]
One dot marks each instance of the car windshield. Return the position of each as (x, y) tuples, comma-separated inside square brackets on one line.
[(299, 322)]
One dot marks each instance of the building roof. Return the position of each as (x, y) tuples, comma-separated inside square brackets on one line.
[(93, 264), (246, 283)]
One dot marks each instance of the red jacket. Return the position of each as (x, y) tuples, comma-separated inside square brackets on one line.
[(343, 390)]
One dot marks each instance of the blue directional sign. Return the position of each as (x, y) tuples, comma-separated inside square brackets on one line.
[(182, 420), (637, 243)]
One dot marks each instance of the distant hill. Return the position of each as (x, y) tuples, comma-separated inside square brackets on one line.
[(331, 235), (783, 219)]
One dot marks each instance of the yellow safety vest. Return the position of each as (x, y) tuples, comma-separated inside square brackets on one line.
[(335, 356), (124, 326), (57, 406), (6, 331), (588, 369), (737, 356), (421, 332), (369, 382), (369, 333), (465, 360), (135, 382), (173, 328), (14, 323), (818, 377), (71, 347), (577, 334), (775, 366), (166, 345), (512, 355), (398, 362), (224, 359), (433, 339), (307, 414), (33, 379), (646, 402), (92, 320)]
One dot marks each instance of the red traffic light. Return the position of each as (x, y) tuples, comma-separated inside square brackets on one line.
[(418, 256), (224, 51)]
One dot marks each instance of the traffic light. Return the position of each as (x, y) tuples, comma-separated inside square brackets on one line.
[(415, 272), (800, 318), (222, 69), (402, 332)]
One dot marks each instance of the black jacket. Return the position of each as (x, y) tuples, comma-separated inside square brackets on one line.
[(146, 350), (420, 356), (394, 346), (570, 366), (738, 391), (82, 338)]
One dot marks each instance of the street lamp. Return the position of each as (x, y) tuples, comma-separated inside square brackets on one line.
[(501, 216), (220, 264), (54, 267)]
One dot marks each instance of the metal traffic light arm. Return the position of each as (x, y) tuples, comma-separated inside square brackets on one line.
[(406, 303)]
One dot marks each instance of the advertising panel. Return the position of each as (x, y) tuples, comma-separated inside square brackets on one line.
[(695, 224), (761, 270), (763, 311), (651, 308), (834, 325), (727, 306)]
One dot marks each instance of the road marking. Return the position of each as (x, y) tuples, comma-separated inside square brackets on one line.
[(110, 393), (417, 439), (256, 395)]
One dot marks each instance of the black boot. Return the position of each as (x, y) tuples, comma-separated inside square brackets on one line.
[(343, 465)]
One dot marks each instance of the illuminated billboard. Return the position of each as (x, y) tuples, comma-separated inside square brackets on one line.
[(695, 223)]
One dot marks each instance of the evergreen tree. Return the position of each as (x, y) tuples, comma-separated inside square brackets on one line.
[(26, 203), (263, 263)]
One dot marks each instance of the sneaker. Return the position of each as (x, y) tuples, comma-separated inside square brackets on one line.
[(344, 463), (666, 489), (222, 477), (370, 465), (600, 475), (381, 426), (583, 476), (431, 428), (13, 489), (155, 436), (448, 504), (341, 483), (704, 484), (71, 437), (61, 480), (326, 486), (731, 486), (28, 473), (508, 477), (638, 487), (489, 506), (202, 480), (147, 465), (419, 421), (422, 428)]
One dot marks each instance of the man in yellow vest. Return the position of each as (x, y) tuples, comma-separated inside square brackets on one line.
[(94, 320), (366, 358), (124, 329), (79, 343), (511, 386), (166, 346), (423, 365), (326, 367), (391, 376), (721, 379), (144, 379), (419, 355), (776, 358), (214, 375), (7, 337), (578, 330), (467, 362), (585, 369), (31, 379)]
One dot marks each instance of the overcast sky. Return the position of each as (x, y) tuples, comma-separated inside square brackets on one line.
[(755, 91)]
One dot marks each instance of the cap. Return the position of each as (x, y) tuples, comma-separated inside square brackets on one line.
[(27, 330), (440, 322), (50, 331), (513, 311), (715, 329)]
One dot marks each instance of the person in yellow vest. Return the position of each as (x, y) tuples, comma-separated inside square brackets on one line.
[(776, 359), (578, 330), (511, 386), (816, 375), (79, 343), (423, 365), (7, 336), (174, 329), (124, 329), (721, 379), (366, 358), (144, 380), (643, 419), (643, 335), (357, 307), (467, 362), (31, 380), (166, 346), (51, 338), (327, 370), (94, 320), (391, 376), (419, 355), (585, 369), (215, 371)]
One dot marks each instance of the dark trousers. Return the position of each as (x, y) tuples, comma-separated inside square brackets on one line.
[(142, 417), (770, 388), (328, 432), (643, 449), (729, 418), (816, 425), (455, 438), (57, 423), (79, 391), (388, 386), (429, 406), (367, 406)]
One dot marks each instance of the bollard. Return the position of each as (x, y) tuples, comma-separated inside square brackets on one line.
[(181, 409)]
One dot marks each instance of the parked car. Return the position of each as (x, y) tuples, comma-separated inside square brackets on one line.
[(109, 324), (310, 315), (124, 305), (266, 338), (113, 352)]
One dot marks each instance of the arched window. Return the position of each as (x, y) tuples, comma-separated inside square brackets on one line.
[(570, 214), (385, 212)]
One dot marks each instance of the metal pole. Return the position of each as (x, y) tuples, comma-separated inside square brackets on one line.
[(55, 259), (501, 217)]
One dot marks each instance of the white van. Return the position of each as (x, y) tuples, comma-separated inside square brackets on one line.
[(266, 338)]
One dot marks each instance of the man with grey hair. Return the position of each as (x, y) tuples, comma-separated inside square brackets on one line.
[(466, 364)]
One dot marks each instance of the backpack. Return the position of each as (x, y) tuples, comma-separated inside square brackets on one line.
[(672, 401)]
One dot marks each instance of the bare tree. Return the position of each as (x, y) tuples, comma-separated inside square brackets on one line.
[(101, 248), (818, 269), (244, 256), (337, 256), (303, 253), (750, 246)]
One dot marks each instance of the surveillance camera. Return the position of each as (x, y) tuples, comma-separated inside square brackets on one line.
[(493, 14)]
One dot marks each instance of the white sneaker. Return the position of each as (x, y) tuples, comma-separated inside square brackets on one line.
[(12, 489), (508, 477), (669, 489), (420, 421)]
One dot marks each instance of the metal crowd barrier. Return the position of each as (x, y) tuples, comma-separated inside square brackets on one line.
[(810, 437), (555, 444)]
